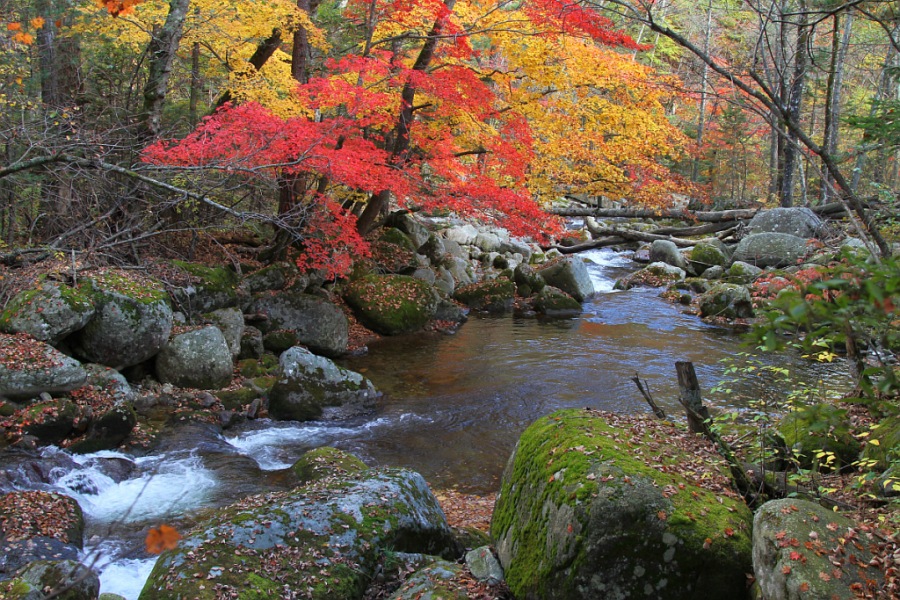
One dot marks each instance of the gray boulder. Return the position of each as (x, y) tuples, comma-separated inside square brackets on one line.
[(667, 252), (409, 225), (570, 275), (581, 516), (317, 323), (110, 381), (32, 538), (771, 249), (196, 359), (742, 272), (463, 235), (65, 579), (211, 288), (439, 580), (460, 270), (314, 387), (515, 246), (230, 322), (803, 550), (29, 367), (798, 221), (48, 313), (132, 321), (484, 566), (273, 277), (489, 241), (324, 540), (726, 300)]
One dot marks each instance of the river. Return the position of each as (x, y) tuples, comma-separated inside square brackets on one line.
[(452, 409)]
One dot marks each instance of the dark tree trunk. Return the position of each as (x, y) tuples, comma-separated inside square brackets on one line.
[(161, 53)]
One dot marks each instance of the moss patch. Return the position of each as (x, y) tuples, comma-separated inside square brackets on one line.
[(392, 304)]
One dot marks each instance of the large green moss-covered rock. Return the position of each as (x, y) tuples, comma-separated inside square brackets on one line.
[(132, 321), (726, 300), (320, 541), (594, 505), (325, 462), (804, 551), (392, 304), (47, 313), (212, 288)]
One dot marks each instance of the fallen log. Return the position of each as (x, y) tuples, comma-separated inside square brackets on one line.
[(631, 213)]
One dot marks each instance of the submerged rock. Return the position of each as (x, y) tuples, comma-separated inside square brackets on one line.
[(582, 515)]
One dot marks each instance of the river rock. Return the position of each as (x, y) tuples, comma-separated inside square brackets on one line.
[(582, 514), (440, 580), (709, 254), (49, 421), (569, 274), (196, 359), (803, 550), (798, 221), (484, 566), (132, 322), (434, 249), (48, 313), (273, 277), (514, 246), (464, 235), (492, 296), (667, 252), (211, 288), (251, 343), (771, 249), (64, 579), (314, 387), (230, 322), (324, 462), (655, 274), (416, 231), (528, 281), (393, 252), (392, 304), (318, 324), (554, 302), (460, 269), (29, 367), (321, 541), (742, 272), (727, 300), (27, 535)]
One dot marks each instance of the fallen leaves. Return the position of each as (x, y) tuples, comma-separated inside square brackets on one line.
[(162, 539)]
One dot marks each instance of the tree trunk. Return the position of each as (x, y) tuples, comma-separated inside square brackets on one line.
[(194, 99), (161, 53), (379, 201), (689, 396), (791, 151), (704, 81), (839, 45), (263, 53)]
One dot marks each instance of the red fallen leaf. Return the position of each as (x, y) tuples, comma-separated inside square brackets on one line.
[(824, 576), (795, 555), (164, 538), (729, 532), (780, 535), (569, 528), (707, 543), (661, 515), (804, 587), (786, 569)]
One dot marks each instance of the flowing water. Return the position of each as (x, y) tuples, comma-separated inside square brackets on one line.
[(452, 409)]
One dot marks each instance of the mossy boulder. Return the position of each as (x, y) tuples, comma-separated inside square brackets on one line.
[(47, 313), (392, 304), (742, 272), (802, 550), (798, 221), (655, 274), (440, 580), (528, 281), (49, 421), (393, 252), (29, 367), (212, 288), (415, 231), (596, 505), (554, 302), (493, 296), (570, 274), (314, 387), (273, 277), (131, 324), (326, 462), (196, 359), (319, 541), (819, 435), (108, 428), (317, 323), (708, 254), (64, 579), (726, 300)]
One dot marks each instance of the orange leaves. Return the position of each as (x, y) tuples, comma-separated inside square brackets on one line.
[(14, 27), (162, 539), (118, 7)]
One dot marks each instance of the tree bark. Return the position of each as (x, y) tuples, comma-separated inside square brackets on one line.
[(689, 396), (839, 45), (161, 53), (379, 201), (263, 53)]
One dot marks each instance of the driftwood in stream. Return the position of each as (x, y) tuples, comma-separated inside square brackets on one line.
[(705, 216), (614, 235)]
